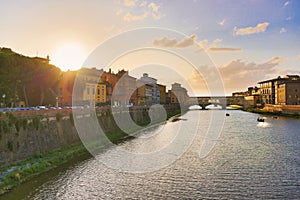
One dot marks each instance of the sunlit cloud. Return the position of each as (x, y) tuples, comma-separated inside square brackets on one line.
[(189, 41), (165, 42), (220, 49), (298, 57), (130, 3), (214, 46), (286, 3), (261, 27), (205, 45), (153, 6), (150, 10), (238, 75), (197, 81), (276, 60), (221, 23), (129, 17), (282, 30), (154, 11), (143, 3)]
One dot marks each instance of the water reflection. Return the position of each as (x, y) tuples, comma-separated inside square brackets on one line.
[(250, 161), (264, 124)]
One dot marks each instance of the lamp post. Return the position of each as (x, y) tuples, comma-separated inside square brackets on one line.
[(56, 103)]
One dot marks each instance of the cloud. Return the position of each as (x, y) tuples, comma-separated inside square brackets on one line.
[(189, 41), (151, 10), (224, 49), (143, 3), (282, 30), (221, 23), (186, 42), (153, 6), (276, 60), (165, 42), (204, 43), (298, 57), (261, 27), (129, 3), (239, 75), (286, 3), (130, 17), (214, 46), (154, 11)]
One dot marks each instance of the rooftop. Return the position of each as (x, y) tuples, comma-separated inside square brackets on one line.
[(286, 77)]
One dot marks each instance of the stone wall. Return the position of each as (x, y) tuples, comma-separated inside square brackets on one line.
[(27, 134), (287, 109)]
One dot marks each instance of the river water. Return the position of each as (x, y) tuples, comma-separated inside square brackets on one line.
[(249, 160)]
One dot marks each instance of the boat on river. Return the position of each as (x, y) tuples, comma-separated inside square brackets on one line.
[(260, 119)]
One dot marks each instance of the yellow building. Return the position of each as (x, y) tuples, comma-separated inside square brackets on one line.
[(100, 96), (89, 92), (95, 93)]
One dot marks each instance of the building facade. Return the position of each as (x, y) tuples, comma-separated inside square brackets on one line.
[(288, 91), (144, 94), (124, 92), (65, 88), (162, 93), (100, 96), (252, 96), (267, 91), (281, 91), (155, 93), (178, 94)]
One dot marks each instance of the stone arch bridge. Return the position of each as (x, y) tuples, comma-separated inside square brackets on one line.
[(216, 100)]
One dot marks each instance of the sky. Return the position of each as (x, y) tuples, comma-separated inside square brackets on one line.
[(238, 42)]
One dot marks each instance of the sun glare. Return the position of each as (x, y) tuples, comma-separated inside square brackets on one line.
[(68, 57)]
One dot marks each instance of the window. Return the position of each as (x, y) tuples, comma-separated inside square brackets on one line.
[(88, 90), (93, 91)]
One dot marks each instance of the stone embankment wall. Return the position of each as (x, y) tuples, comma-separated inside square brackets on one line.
[(25, 134), (286, 109)]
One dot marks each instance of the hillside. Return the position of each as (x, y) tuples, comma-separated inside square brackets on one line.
[(32, 80)]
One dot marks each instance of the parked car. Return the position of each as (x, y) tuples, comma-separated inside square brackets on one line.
[(41, 108)]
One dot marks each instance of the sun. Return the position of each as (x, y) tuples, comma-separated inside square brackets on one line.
[(68, 57)]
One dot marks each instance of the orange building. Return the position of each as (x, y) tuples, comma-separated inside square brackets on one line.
[(162, 93)]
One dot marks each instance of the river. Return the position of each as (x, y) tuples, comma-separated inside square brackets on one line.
[(249, 160)]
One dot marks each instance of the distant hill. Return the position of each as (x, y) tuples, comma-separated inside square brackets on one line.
[(32, 80)]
